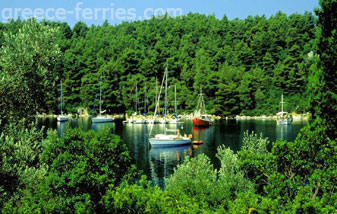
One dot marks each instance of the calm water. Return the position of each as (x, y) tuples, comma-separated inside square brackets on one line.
[(159, 163)]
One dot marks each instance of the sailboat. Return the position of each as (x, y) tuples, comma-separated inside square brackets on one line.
[(283, 118), (138, 119), (164, 140), (175, 118), (200, 115), (101, 118), (154, 119), (61, 117)]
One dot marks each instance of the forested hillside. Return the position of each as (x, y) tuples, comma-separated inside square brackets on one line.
[(243, 66)]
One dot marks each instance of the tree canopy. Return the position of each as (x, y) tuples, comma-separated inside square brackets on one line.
[(243, 66)]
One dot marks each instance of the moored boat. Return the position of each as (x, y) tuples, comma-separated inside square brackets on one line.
[(165, 141), (101, 118), (203, 120), (283, 118), (200, 115), (61, 117)]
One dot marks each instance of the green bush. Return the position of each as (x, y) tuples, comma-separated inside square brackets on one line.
[(254, 143), (255, 160), (20, 150), (81, 166), (146, 198), (196, 178)]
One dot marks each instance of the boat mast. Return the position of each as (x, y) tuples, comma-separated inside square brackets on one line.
[(156, 92), (100, 96), (157, 102), (145, 100), (136, 98), (166, 71), (61, 99), (282, 103), (175, 98), (201, 104)]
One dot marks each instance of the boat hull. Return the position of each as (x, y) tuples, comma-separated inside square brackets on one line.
[(201, 122), (102, 120), (173, 121), (139, 122), (166, 143), (284, 122), (62, 118)]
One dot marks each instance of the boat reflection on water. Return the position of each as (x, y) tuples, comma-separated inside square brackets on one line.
[(84, 123), (164, 160), (205, 134), (98, 126), (137, 142), (60, 127), (284, 132)]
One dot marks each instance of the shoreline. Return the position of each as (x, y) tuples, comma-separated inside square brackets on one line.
[(296, 117)]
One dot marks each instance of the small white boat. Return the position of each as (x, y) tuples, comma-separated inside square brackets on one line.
[(62, 117), (173, 121), (283, 118), (163, 120), (102, 119), (164, 141), (139, 121), (151, 121)]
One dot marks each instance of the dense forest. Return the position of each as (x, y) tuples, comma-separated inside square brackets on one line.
[(93, 172), (242, 66)]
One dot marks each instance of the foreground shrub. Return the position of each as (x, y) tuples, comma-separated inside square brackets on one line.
[(20, 149), (196, 178), (254, 143), (81, 166), (145, 198), (231, 177)]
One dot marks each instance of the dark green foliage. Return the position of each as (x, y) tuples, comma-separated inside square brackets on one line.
[(145, 198), (20, 148), (80, 166), (28, 69), (243, 66), (324, 98)]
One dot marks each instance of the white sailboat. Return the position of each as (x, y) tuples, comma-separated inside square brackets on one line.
[(101, 118), (154, 119), (175, 119), (164, 140), (138, 119), (61, 117), (283, 118)]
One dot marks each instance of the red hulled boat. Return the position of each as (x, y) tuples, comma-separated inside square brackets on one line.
[(200, 121), (200, 115)]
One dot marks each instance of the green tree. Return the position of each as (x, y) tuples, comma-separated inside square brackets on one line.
[(324, 101), (28, 74), (20, 149), (80, 168)]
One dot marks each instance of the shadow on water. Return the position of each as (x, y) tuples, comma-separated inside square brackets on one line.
[(158, 164)]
